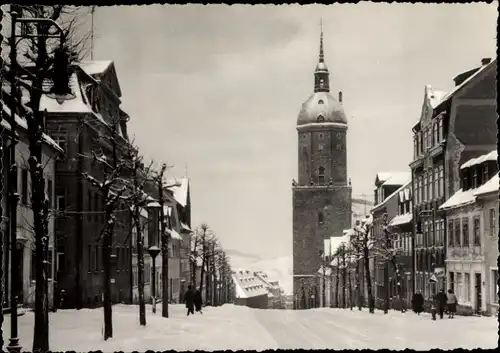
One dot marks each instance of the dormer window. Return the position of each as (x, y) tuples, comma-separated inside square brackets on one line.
[(474, 178), (321, 102), (321, 175), (485, 174), (321, 118), (465, 181)]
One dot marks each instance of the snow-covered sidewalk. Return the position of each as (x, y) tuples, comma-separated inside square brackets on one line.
[(235, 328)]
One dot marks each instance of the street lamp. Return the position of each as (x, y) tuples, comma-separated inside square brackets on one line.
[(60, 70)]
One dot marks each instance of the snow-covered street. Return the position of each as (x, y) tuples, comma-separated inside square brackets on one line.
[(234, 327)]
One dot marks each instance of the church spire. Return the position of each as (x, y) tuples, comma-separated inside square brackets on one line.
[(321, 75), (321, 54)]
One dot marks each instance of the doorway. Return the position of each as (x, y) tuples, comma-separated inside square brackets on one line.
[(478, 293)]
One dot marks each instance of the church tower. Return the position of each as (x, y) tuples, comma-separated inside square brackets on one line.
[(322, 194)]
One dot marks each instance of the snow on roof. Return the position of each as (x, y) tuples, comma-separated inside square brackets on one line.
[(435, 97), (174, 234), (391, 195), (22, 123), (180, 191), (79, 104), (337, 242), (401, 219), (249, 284), (490, 186), (491, 156), (460, 198), (185, 227), (470, 78), (327, 270), (383, 176), (96, 66), (397, 178), (75, 105)]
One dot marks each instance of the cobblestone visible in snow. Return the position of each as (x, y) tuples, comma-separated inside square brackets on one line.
[(232, 327)]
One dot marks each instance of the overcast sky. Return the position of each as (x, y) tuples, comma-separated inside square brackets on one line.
[(218, 89)]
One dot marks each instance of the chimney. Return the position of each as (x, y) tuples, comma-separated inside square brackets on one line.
[(485, 61), (340, 97)]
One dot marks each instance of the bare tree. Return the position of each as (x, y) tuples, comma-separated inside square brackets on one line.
[(137, 199), (388, 255), (114, 166), (204, 234), (40, 59), (364, 242)]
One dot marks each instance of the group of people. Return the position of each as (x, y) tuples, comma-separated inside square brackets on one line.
[(193, 301), (440, 303)]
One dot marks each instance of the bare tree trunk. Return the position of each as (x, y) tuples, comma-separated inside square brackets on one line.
[(368, 279), (39, 205), (358, 285), (337, 283), (344, 282), (349, 284), (203, 259), (106, 256)]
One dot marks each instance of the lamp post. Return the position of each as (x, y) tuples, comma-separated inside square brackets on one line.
[(61, 89), (153, 252)]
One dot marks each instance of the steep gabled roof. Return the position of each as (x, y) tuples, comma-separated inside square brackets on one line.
[(481, 70), (181, 191)]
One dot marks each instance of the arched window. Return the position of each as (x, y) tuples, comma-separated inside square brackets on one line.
[(321, 118), (320, 218), (321, 175), (321, 101)]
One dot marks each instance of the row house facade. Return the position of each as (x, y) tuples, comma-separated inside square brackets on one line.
[(78, 126), (23, 282), (471, 219), (387, 188), (401, 227), (453, 128)]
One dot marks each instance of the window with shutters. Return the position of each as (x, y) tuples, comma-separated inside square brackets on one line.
[(465, 232), (477, 231), (451, 238), (492, 222), (457, 232)]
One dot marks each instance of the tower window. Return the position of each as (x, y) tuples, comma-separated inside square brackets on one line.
[(321, 101), (321, 175), (321, 118), (320, 218), (320, 136), (322, 83)]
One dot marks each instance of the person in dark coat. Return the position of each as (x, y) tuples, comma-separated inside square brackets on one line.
[(417, 302), (189, 300), (198, 301), (441, 299), (452, 304)]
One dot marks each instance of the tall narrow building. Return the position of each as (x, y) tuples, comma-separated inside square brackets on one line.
[(322, 194)]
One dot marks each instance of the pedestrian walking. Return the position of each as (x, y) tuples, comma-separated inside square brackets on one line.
[(189, 300), (417, 302), (452, 304), (198, 301), (441, 300), (433, 308)]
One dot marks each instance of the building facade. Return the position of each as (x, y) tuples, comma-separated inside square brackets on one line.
[(468, 272), (401, 227), (78, 126), (249, 290), (24, 280), (388, 186), (453, 128), (322, 195)]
